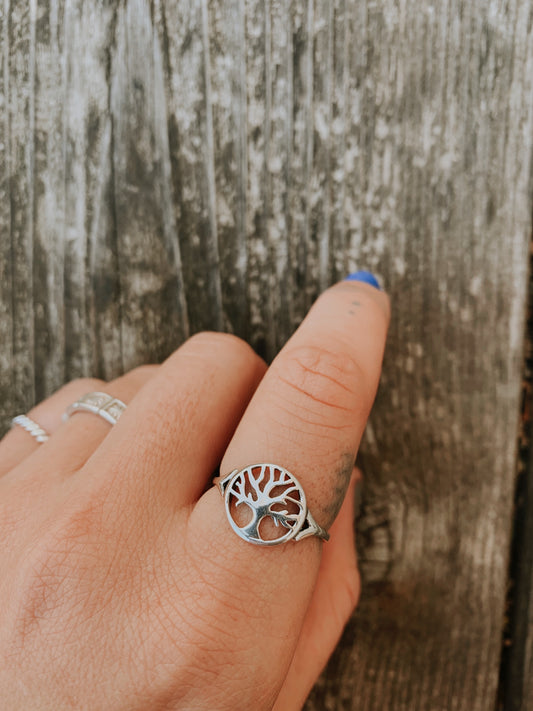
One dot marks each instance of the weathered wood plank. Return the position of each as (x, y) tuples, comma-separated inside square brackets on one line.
[(190, 117), (184, 166), (151, 281), (442, 218), (92, 287), (227, 46), (17, 227)]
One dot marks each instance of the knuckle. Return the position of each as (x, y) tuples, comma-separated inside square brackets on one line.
[(127, 386), (328, 385), (213, 346), (143, 372), (209, 339)]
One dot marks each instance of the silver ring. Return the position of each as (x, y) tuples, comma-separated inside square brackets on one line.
[(270, 492), (106, 406), (31, 427)]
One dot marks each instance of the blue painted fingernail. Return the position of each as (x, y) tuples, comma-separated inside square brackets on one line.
[(367, 277)]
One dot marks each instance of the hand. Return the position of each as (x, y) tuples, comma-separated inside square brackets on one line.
[(122, 585)]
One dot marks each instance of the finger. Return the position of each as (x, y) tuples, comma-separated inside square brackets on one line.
[(307, 415), (173, 435), (18, 444), (334, 598), (71, 442), (311, 409)]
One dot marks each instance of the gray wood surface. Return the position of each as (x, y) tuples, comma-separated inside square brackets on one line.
[(173, 166)]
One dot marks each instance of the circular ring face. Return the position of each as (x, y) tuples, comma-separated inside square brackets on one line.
[(265, 504)]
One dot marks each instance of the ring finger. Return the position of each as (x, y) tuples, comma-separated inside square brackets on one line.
[(18, 446)]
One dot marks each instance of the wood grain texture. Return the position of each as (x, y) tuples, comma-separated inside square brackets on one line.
[(172, 166), (438, 211)]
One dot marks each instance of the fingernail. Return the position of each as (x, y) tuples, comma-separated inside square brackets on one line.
[(366, 277), (357, 498)]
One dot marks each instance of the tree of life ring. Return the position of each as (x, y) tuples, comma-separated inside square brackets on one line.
[(274, 504)]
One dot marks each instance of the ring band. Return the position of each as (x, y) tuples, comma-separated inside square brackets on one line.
[(105, 406), (262, 487), (31, 427)]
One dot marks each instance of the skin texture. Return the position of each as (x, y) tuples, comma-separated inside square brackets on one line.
[(122, 585)]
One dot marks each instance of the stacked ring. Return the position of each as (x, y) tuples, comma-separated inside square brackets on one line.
[(31, 427), (105, 406)]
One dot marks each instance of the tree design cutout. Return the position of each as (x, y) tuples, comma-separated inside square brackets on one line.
[(268, 491)]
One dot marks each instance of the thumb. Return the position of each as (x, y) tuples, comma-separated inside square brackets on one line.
[(334, 598)]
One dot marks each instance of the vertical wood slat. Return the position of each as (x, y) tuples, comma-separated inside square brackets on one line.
[(444, 224), (189, 96), (149, 259), (6, 266), (89, 245), (224, 37), (48, 198), (205, 165), (18, 40)]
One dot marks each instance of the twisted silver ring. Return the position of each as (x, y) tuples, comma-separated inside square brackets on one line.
[(105, 406), (270, 492), (31, 427)]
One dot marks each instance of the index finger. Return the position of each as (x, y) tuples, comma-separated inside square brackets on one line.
[(307, 415), (309, 412)]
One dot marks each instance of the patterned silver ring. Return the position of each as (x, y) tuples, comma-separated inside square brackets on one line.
[(271, 493), (31, 427), (105, 406)]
